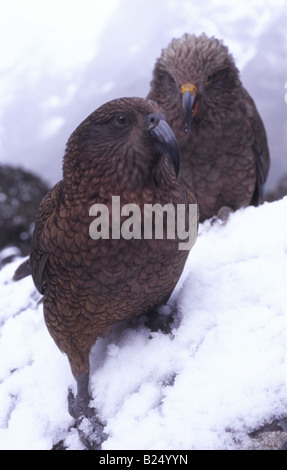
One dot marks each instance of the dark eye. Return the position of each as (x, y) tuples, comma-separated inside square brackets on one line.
[(121, 120), (209, 78)]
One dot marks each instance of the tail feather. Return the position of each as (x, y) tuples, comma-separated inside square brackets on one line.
[(23, 270)]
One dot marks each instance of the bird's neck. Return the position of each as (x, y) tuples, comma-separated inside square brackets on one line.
[(86, 188)]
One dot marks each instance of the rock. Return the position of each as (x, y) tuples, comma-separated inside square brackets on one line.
[(20, 195), (272, 436)]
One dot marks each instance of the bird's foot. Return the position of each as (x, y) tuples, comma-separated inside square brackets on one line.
[(89, 426), (222, 215), (156, 320), (91, 432)]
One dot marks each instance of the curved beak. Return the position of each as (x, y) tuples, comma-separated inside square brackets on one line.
[(166, 141), (188, 103), (188, 91)]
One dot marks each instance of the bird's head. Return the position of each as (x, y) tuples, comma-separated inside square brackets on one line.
[(126, 141), (194, 76)]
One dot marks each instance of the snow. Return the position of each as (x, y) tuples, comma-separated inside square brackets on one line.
[(61, 59), (219, 374)]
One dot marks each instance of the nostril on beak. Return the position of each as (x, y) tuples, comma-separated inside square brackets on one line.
[(153, 120)]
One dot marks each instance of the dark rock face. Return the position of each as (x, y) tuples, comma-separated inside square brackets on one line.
[(20, 195)]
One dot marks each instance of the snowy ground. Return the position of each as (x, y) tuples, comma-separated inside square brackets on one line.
[(218, 376), (61, 59)]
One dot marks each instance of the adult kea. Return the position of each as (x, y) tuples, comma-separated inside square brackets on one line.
[(221, 137), (125, 148)]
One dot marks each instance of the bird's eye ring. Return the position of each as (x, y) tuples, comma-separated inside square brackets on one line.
[(120, 120)]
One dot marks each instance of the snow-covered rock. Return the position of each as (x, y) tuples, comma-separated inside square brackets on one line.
[(219, 375)]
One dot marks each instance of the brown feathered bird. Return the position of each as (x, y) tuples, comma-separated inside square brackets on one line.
[(221, 137), (125, 148)]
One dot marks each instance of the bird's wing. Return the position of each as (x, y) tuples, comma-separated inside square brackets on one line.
[(39, 252), (189, 196), (260, 150)]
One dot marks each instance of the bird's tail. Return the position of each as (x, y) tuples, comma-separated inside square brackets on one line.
[(23, 270)]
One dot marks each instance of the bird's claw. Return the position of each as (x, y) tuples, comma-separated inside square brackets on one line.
[(91, 432), (89, 426)]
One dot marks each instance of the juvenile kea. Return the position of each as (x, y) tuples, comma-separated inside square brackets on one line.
[(221, 137), (125, 148)]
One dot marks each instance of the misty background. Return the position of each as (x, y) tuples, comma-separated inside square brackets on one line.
[(60, 60)]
